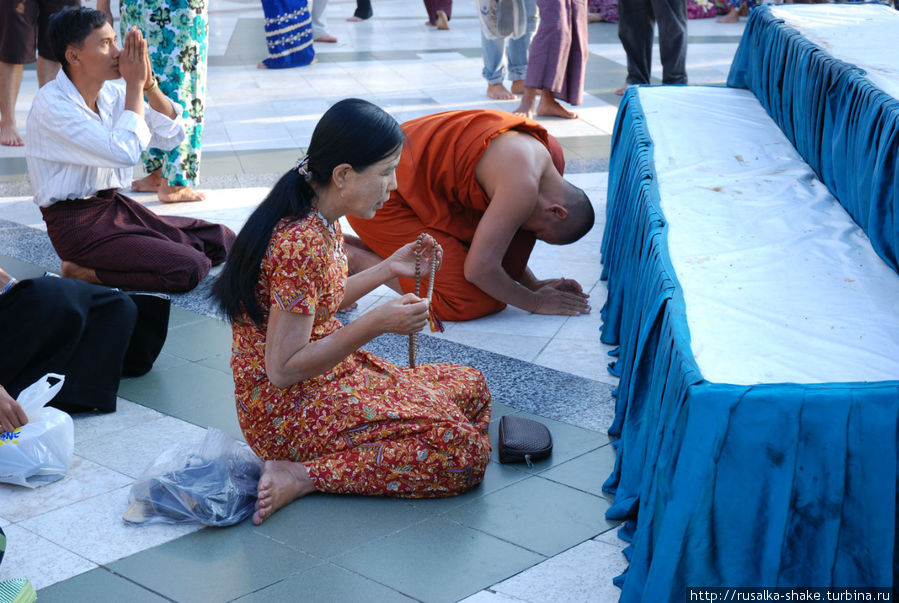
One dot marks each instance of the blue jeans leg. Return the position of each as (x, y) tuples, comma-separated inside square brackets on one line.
[(517, 50)]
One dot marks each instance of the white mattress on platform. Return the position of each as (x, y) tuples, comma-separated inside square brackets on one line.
[(865, 35), (781, 286)]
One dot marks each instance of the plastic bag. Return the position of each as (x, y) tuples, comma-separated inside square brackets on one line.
[(40, 451), (502, 18), (213, 482)]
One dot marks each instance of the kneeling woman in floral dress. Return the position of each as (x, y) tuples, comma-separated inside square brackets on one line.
[(323, 414)]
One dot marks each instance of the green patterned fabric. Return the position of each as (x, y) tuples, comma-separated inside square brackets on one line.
[(177, 38), (17, 590)]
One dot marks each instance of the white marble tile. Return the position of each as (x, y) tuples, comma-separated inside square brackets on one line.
[(488, 596), (520, 347), (572, 356), (94, 528), (583, 573), (514, 321), (44, 563), (84, 479), (130, 451), (91, 426), (21, 210), (611, 537)]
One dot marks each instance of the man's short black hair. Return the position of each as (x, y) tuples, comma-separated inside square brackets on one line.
[(70, 27)]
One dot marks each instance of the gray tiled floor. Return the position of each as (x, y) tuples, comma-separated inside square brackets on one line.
[(525, 534)]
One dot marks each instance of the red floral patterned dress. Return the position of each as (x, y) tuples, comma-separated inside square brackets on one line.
[(366, 426)]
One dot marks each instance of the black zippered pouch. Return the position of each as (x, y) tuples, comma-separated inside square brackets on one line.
[(522, 440)]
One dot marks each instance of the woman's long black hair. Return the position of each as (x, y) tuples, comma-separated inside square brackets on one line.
[(353, 131)]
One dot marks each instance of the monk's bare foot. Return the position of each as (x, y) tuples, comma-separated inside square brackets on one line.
[(442, 20), (518, 87), (732, 16), (282, 482), (179, 194), (550, 107), (148, 184), (73, 270), (9, 136), (499, 92), (326, 39)]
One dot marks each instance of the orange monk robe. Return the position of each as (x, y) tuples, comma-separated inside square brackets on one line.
[(438, 193)]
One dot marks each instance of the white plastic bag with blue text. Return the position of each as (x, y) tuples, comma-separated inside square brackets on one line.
[(40, 451)]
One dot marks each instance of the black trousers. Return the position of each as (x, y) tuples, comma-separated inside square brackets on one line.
[(68, 327), (635, 30)]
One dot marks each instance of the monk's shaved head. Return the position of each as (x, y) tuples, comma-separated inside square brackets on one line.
[(580, 216)]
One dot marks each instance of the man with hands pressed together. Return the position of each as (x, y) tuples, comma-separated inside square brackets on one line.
[(85, 134)]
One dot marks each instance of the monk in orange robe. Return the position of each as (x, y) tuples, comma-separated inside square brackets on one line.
[(486, 185)]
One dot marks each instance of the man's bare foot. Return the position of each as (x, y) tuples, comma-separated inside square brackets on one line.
[(518, 87), (9, 136), (732, 16), (621, 91), (73, 270), (148, 184), (179, 194), (594, 17), (442, 20), (499, 92), (282, 482), (550, 107), (355, 19), (326, 39), (430, 23)]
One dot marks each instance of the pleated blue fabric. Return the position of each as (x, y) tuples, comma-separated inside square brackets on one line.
[(769, 484), (844, 127)]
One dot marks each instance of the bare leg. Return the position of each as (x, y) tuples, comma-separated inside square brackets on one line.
[(442, 20), (549, 106), (282, 482), (528, 100), (518, 87), (177, 194), (732, 16), (46, 70), (149, 183), (10, 82), (499, 92), (73, 270)]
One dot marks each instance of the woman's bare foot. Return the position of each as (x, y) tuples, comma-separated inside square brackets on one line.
[(518, 87), (732, 16), (550, 107), (442, 20), (149, 183), (179, 194), (326, 39), (9, 136), (281, 483), (73, 270), (499, 92), (528, 100)]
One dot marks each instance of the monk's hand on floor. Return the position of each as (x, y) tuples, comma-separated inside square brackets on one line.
[(403, 315), (551, 299)]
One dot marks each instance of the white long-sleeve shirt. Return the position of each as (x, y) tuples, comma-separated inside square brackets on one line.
[(72, 152)]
